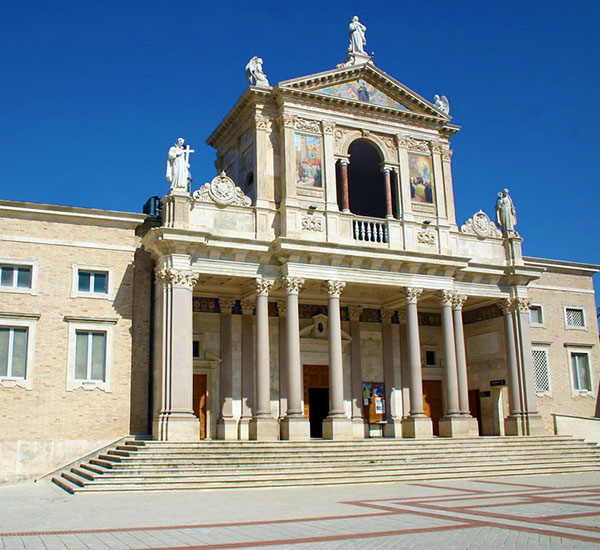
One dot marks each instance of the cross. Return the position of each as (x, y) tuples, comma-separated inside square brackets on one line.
[(186, 152)]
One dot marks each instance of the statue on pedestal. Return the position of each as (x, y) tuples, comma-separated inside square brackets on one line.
[(358, 39), (254, 71), (178, 164), (506, 216)]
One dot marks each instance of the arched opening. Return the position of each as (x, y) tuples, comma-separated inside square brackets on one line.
[(366, 185)]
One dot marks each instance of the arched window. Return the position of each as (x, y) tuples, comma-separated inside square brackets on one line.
[(366, 185)]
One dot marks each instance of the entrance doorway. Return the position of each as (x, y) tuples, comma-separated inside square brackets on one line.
[(199, 397), (475, 408), (432, 402), (316, 397)]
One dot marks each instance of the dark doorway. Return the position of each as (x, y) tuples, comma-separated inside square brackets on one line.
[(432, 402), (366, 185), (318, 407), (475, 408)]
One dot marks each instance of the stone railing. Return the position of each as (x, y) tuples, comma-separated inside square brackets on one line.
[(370, 230), (586, 427)]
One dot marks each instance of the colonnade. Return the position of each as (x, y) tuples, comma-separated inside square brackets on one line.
[(174, 418)]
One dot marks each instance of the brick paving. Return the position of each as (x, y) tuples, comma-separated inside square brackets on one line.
[(533, 512)]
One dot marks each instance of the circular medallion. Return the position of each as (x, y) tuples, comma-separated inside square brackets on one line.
[(222, 189)]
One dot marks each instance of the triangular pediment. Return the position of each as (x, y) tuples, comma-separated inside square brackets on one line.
[(364, 85)]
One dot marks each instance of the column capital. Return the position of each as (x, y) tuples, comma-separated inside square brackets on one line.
[(355, 312), (292, 285), (289, 121), (412, 294), (177, 277), (387, 314), (344, 162), (328, 126), (263, 286), (226, 304), (402, 316), (522, 305), (386, 168), (507, 305), (459, 300), (247, 307), (447, 297), (334, 288)]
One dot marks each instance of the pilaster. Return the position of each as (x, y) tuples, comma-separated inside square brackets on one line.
[(226, 424)]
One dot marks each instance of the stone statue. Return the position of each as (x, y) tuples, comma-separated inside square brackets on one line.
[(358, 40), (254, 71), (442, 104), (506, 216), (178, 164)]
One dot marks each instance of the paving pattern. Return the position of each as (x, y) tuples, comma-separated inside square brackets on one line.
[(533, 512)]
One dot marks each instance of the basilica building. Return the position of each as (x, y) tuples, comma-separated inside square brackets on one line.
[(320, 286)]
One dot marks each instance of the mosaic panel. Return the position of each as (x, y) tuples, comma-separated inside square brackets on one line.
[(359, 90), (482, 314)]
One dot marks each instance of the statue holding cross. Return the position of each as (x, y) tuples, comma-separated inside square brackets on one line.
[(178, 166)]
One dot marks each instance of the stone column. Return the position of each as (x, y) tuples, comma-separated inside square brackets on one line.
[(404, 365), (263, 426), (176, 420), (393, 426), (336, 425), (295, 426), (282, 310), (329, 177), (247, 382), (453, 424), (226, 424), (387, 178), (359, 426), (416, 424), (532, 419), (461, 354), (513, 422), (344, 177)]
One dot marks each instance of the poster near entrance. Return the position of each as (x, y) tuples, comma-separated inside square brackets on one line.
[(316, 397), (374, 401), (199, 396), (432, 402)]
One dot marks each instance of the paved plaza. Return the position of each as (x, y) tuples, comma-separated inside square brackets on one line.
[(561, 511)]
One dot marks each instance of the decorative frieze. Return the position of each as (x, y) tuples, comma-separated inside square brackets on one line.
[(306, 125), (313, 223), (413, 144), (177, 277), (481, 225), (426, 237)]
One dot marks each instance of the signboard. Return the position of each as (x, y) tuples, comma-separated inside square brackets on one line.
[(497, 383), (373, 401)]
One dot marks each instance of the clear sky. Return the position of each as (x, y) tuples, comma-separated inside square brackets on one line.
[(94, 93)]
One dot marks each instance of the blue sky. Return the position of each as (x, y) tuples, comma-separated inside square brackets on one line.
[(94, 94)]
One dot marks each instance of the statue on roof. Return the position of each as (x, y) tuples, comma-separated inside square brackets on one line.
[(506, 216), (442, 104), (178, 167), (358, 39), (255, 74)]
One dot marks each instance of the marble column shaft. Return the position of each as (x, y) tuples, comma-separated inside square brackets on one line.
[(294, 363), (511, 356), (522, 306), (356, 363), (414, 352), (388, 360), (226, 367), (345, 192), (263, 376), (247, 358), (461, 355), (336, 365), (387, 177), (450, 374), (283, 366)]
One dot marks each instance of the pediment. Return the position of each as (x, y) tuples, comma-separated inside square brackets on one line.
[(364, 85)]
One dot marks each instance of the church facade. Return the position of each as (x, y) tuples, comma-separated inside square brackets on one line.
[(319, 287)]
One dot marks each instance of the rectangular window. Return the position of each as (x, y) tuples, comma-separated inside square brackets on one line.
[(541, 370), (90, 355), (580, 363), (15, 276), (536, 316), (430, 359), (92, 281), (575, 317), (13, 352)]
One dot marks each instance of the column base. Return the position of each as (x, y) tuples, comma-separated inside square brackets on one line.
[(227, 428), (360, 428), (458, 426), (244, 428), (527, 424), (393, 428), (295, 428), (264, 428), (177, 427), (337, 427), (417, 427)]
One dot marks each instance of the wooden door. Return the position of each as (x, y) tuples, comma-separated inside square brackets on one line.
[(432, 402), (200, 402), (316, 378), (475, 407)]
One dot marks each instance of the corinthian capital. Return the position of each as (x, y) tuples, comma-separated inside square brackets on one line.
[(177, 277), (459, 300), (355, 312), (507, 305), (447, 297), (412, 294), (334, 288), (523, 305), (387, 314), (292, 285), (226, 304), (263, 286), (248, 307)]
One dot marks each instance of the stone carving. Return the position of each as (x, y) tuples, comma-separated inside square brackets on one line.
[(425, 237), (254, 72), (339, 135), (389, 143), (507, 305), (308, 125), (459, 300), (177, 277), (506, 216), (413, 144), (334, 288), (289, 121), (355, 313), (248, 307), (523, 305), (263, 286), (226, 304), (447, 297), (412, 294), (328, 126), (387, 314), (481, 225), (358, 38), (292, 285), (262, 123), (222, 191), (178, 166), (442, 104), (313, 223), (436, 148), (447, 155)]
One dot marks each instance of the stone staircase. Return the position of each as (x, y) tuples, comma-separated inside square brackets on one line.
[(166, 466)]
